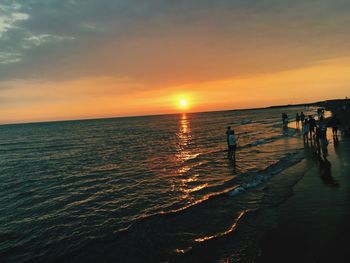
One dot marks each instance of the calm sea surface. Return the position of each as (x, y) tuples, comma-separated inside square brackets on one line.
[(156, 188)]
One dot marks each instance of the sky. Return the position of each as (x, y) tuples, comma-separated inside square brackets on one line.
[(72, 59)]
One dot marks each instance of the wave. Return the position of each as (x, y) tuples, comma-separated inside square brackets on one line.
[(244, 122), (237, 185), (272, 170), (221, 234), (156, 228)]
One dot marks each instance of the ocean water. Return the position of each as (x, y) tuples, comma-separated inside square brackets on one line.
[(139, 189)]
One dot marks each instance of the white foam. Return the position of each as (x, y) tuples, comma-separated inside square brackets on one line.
[(258, 142), (246, 122), (237, 191)]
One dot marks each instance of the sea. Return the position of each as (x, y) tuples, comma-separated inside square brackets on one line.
[(143, 189)]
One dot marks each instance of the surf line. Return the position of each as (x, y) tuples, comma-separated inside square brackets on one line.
[(231, 229)]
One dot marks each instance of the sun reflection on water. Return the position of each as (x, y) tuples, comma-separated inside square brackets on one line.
[(184, 139), (184, 153)]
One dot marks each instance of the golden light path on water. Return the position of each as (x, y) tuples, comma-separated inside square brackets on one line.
[(184, 153)]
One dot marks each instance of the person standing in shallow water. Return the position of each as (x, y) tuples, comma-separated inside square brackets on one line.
[(228, 133), (297, 119), (306, 130), (284, 120), (312, 124), (232, 145), (302, 118)]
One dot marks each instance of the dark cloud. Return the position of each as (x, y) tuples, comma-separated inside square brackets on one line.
[(160, 42)]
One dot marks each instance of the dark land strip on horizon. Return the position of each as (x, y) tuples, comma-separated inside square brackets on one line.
[(332, 105)]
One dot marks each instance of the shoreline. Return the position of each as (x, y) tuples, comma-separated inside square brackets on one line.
[(312, 224)]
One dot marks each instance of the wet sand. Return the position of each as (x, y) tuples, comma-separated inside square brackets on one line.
[(313, 225)]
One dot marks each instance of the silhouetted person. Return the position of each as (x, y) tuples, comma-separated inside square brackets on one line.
[(306, 130), (312, 123), (302, 117), (320, 112), (297, 119), (323, 126), (335, 125), (228, 132), (318, 135), (284, 119), (232, 145)]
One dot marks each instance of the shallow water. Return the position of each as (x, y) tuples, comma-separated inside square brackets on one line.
[(134, 189)]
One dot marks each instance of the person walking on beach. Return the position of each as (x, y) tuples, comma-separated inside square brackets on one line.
[(297, 119), (228, 133), (232, 145), (306, 130)]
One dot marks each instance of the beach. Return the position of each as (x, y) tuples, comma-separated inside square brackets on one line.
[(313, 224)]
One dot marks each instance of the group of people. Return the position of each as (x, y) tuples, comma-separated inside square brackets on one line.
[(316, 131), (299, 117), (312, 130)]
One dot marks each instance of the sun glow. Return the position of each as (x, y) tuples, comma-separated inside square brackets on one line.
[(183, 104)]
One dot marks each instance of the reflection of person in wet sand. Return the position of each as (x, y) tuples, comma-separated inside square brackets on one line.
[(335, 122), (306, 131), (326, 173)]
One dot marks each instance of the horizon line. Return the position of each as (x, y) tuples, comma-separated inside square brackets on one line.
[(163, 114)]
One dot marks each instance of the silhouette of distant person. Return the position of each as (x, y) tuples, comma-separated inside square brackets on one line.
[(297, 120), (323, 126), (302, 117), (335, 125), (232, 145), (312, 124), (306, 130), (228, 132), (318, 135), (284, 120)]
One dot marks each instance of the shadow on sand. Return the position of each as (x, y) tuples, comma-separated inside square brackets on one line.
[(326, 172)]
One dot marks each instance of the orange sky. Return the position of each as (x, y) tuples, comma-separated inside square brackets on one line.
[(102, 97), (142, 59)]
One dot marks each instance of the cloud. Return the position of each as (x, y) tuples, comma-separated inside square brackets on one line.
[(164, 42), (9, 16), (37, 40), (8, 58)]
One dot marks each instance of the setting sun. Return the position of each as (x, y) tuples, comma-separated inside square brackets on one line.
[(183, 103)]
